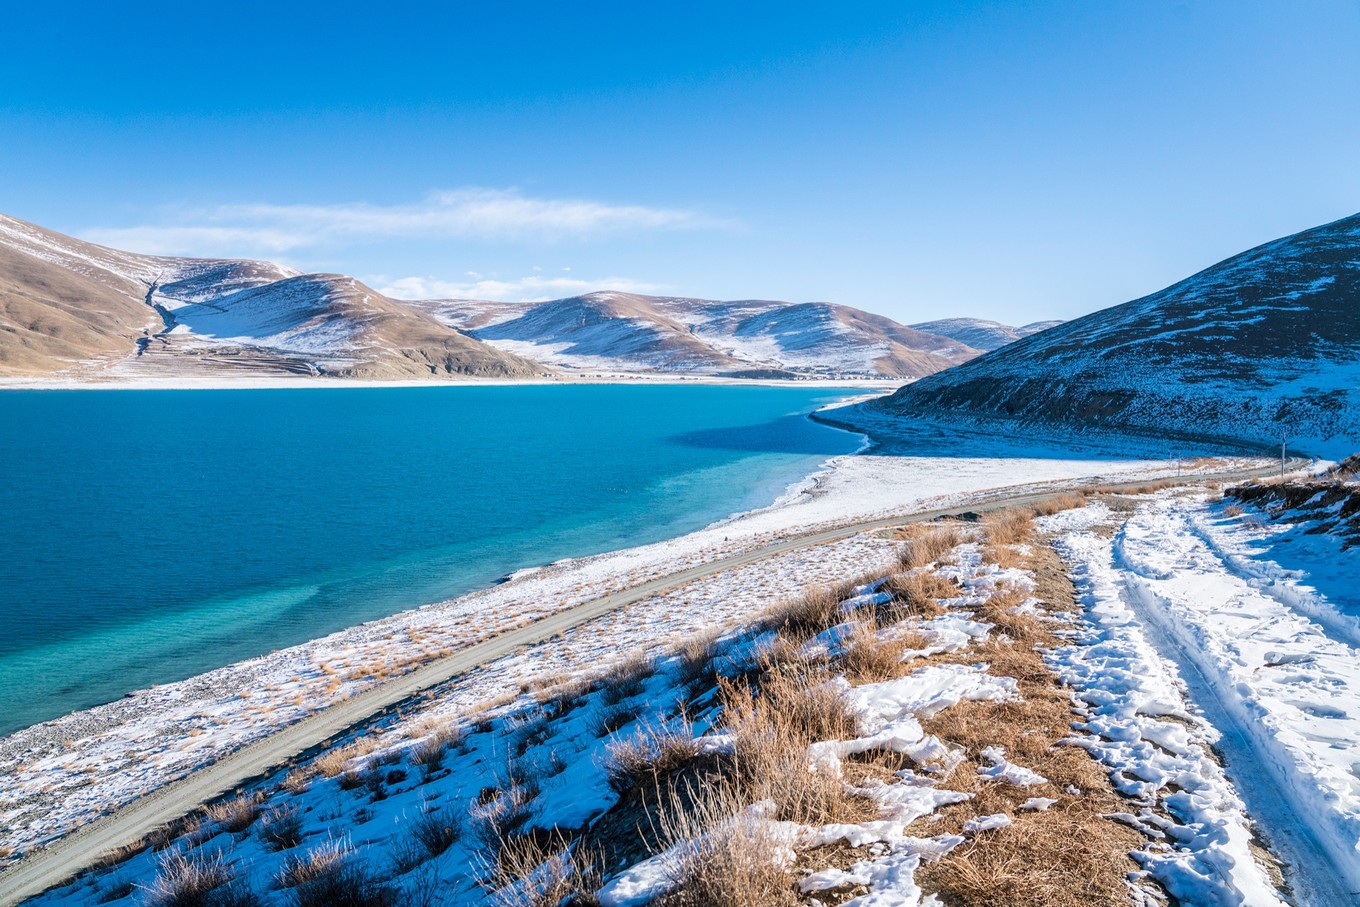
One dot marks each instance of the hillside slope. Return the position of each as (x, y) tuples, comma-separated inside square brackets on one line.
[(633, 332), (90, 312), (1264, 344), (982, 334)]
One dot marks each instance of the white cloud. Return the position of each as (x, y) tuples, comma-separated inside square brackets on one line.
[(524, 289), (473, 213)]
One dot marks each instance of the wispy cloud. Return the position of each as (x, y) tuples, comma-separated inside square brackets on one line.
[(533, 288), (472, 213)]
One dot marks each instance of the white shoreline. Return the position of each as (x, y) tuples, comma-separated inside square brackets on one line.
[(68, 770)]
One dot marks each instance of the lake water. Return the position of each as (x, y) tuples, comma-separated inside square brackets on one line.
[(146, 536)]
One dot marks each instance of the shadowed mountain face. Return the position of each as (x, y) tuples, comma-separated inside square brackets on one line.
[(1264, 344), (91, 312), (673, 334), (981, 334)]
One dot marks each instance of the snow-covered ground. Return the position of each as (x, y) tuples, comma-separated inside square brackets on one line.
[(1212, 628), (548, 750), (72, 769)]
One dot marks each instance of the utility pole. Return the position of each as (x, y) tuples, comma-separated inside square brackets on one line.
[(1283, 438)]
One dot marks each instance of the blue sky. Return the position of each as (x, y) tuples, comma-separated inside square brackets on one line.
[(1016, 161)]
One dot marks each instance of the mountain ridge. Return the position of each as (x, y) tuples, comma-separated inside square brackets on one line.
[(1261, 346)]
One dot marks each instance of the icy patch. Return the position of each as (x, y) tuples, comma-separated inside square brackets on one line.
[(1009, 772)]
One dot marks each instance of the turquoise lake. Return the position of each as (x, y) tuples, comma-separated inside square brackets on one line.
[(146, 536)]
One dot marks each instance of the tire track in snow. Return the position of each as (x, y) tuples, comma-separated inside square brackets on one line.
[(1322, 863)]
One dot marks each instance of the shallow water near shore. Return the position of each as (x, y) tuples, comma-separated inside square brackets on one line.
[(146, 536)]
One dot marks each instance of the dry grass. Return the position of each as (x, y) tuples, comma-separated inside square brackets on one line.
[(434, 830), (917, 593), (189, 880), (927, 545), (333, 762), (543, 871), (1068, 501), (627, 678), (331, 877), (1004, 531), (1068, 856), (771, 732), (281, 828), (500, 813), (803, 618), (696, 654), (650, 754), (1233, 510), (317, 862), (735, 857), (868, 656), (237, 814), (429, 752)]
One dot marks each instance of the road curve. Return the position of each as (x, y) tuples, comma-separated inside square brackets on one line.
[(76, 852)]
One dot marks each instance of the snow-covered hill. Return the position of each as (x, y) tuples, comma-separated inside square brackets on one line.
[(1262, 345), (72, 307), (982, 334), (626, 331)]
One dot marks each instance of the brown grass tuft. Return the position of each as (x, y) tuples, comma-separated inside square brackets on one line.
[(771, 732), (917, 593), (927, 545), (1068, 501), (868, 657), (237, 814), (735, 856), (650, 754), (817, 610)]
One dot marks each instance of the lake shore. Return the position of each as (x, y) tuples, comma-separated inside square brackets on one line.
[(72, 769)]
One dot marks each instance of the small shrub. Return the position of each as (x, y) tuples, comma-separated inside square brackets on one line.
[(436, 828), (237, 814), (529, 872), (917, 593), (695, 656), (651, 753), (626, 679), (817, 610), (429, 752), (500, 813), (333, 762), (928, 546), (867, 657), (318, 861), (610, 720), (349, 883), (281, 829), (197, 880), (771, 732), (724, 854), (1232, 510)]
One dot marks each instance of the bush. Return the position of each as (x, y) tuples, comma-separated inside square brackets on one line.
[(724, 854), (817, 610), (282, 828), (237, 814), (928, 546), (197, 880), (529, 872), (429, 752), (626, 679), (651, 753)]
